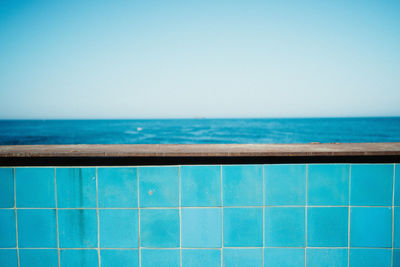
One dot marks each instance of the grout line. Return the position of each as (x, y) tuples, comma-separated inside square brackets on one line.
[(98, 219), (16, 217), (138, 201), (305, 208), (58, 232), (222, 218), (180, 218), (349, 222), (394, 183), (263, 190)]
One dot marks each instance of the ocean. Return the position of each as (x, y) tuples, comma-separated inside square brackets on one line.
[(200, 131)]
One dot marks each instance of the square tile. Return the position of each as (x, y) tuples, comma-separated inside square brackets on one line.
[(328, 184), (285, 184), (6, 188), (396, 232), (201, 186), (76, 187), (35, 187), (371, 227), (119, 228), (242, 185), (397, 185), (247, 257), (37, 228), (77, 228), (38, 257), (396, 257), (79, 257), (327, 257), (117, 187), (159, 186), (8, 258), (7, 229), (201, 258), (284, 257), (327, 227), (370, 258), (243, 227), (119, 258), (160, 258), (371, 184), (285, 227), (201, 228), (159, 228)]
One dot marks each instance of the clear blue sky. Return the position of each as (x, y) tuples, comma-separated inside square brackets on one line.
[(145, 59)]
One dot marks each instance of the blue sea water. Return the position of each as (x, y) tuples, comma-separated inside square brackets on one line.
[(200, 131)]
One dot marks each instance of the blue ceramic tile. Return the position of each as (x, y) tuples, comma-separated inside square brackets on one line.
[(160, 258), (284, 257), (285, 184), (79, 257), (201, 258), (35, 187), (242, 185), (6, 188), (38, 257), (327, 227), (159, 186), (117, 187), (201, 186), (396, 236), (159, 228), (251, 257), (119, 258), (396, 257), (328, 184), (7, 229), (37, 228), (119, 228), (371, 184), (371, 227), (243, 227), (370, 258), (76, 187), (397, 185), (201, 228), (77, 228), (285, 227), (8, 258), (327, 257)]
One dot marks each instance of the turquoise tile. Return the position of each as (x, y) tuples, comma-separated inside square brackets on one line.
[(371, 227), (37, 228), (6, 188), (328, 184), (397, 185), (119, 258), (242, 185), (396, 236), (79, 257), (159, 186), (38, 257), (160, 258), (117, 187), (285, 184), (284, 257), (243, 227), (201, 228), (35, 187), (327, 257), (159, 228), (8, 258), (119, 228), (7, 229), (76, 187), (327, 227), (77, 228), (372, 184), (201, 258), (396, 257), (201, 186), (285, 227), (370, 258), (249, 257)]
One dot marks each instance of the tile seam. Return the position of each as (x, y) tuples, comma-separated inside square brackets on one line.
[(98, 219), (180, 218), (222, 217), (138, 203), (306, 214), (349, 220), (263, 190), (393, 214)]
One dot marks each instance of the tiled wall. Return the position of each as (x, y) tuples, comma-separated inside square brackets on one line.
[(304, 215)]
